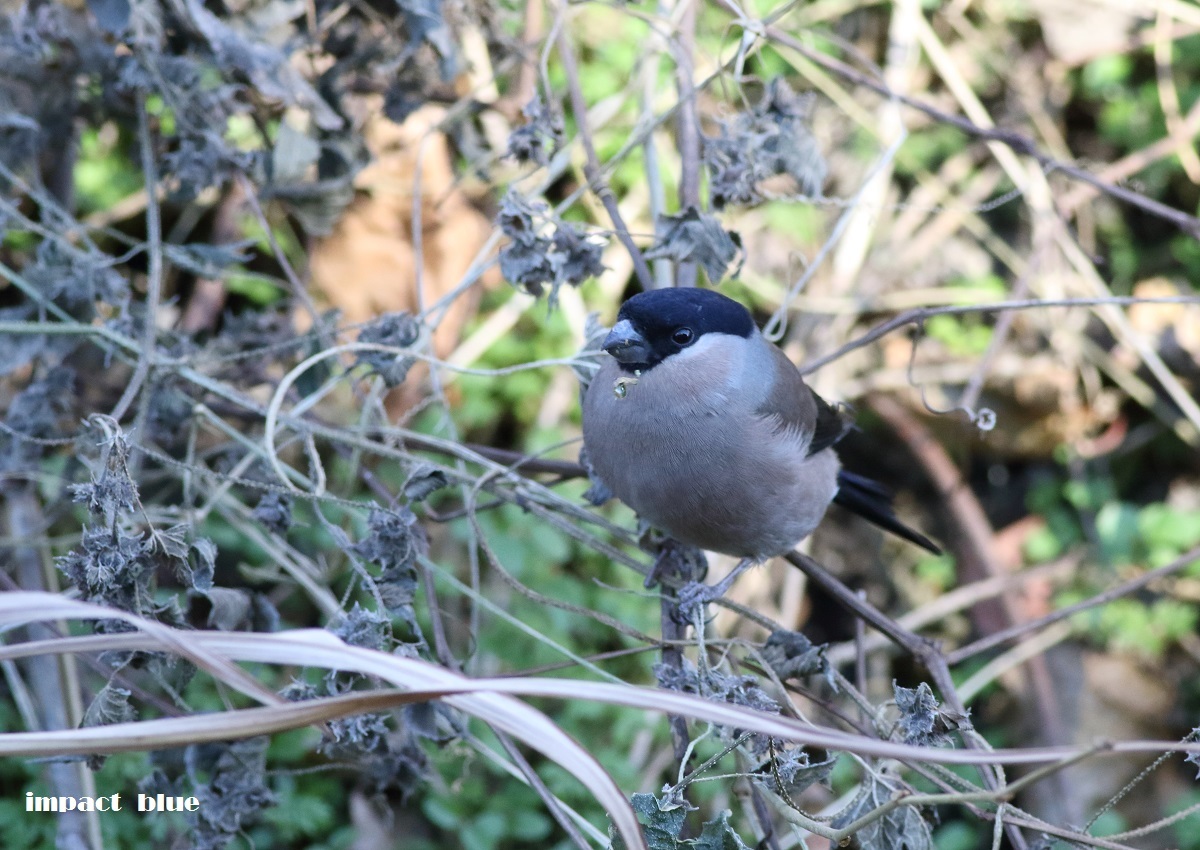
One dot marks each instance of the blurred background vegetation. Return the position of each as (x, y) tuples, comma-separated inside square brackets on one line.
[(196, 197)]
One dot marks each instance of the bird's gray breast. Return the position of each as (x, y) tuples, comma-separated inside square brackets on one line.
[(682, 446)]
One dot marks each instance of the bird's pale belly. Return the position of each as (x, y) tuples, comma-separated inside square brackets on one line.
[(723, 495)]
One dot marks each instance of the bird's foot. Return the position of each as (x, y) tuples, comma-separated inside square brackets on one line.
[(678, 561), (693, 595), (692, 598)]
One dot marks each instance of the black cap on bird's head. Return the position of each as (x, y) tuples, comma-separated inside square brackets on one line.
[(655, 324)]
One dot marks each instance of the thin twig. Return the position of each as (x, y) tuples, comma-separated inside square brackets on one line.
[(687, 126), (591, 168), (148, 341), (1123, 589), (1016, 141), (919, 315)]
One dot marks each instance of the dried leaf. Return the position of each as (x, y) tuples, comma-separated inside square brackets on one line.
[(424, 480), (266, 67), (922, 722), (793, 656), (902, 828), (771, 140), (396, 330), (230, 608), (110, 705), (696, 237), (532, 259)]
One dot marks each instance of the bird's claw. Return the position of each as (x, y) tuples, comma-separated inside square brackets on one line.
[(692, 597)]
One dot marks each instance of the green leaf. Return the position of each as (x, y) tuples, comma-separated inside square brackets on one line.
[(958, 835), (1117, 527), (1166, 527), (1042, 545), (1101, 76), (439, 812)]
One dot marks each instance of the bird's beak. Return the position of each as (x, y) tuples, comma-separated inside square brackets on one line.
[(626, 344)]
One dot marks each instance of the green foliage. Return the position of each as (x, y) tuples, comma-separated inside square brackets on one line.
[(959, 835), (1186, 831), (257, 289), (1146, 536), (1122, 91), (485, 402), (25, 831), (1106, 77), (615, 44), (1109, 823), (1186, 251), (158, 109), (926, 149), (1132, 625), (804, 223), (938, 571), (1117, 530), (967, 334), (959, 334), (483, 811), (21, 830), (104, 172), (1167, 532), (306, 814)]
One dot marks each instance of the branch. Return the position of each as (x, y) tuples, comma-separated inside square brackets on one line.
[(1016, 141), (591, 168)]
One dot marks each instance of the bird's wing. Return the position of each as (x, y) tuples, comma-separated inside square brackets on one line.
[(798, 408)]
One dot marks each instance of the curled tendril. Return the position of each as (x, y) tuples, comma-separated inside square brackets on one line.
[(984, 419)]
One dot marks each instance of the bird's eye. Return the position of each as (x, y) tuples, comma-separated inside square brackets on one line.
[(682, 336)]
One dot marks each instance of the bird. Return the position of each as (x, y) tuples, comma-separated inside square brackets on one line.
[(708, 431)]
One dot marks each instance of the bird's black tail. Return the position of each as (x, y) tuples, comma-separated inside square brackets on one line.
[(872, 501)]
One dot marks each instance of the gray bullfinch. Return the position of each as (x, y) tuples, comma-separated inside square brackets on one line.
[(708, 431)]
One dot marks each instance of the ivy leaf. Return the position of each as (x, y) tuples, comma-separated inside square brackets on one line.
[(660, 828), (395, 330), (230, 608), (424, 21), (394, 541), (110, 705), (575, 257), (525, 260), (201, 575), (362, 627), (796, 771), (236, 791), (266, 67), (536, 139)]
